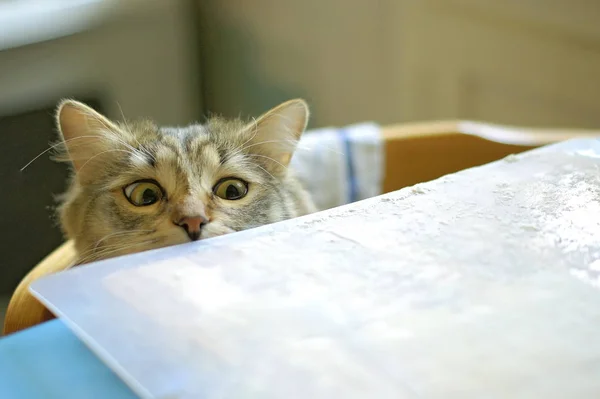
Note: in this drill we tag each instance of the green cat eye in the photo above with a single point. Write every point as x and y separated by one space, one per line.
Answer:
231 189
143 193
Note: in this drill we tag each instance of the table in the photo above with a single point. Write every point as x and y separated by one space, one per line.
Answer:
48 361
481 283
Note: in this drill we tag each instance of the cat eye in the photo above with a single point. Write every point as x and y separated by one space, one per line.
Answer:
231 189
143 193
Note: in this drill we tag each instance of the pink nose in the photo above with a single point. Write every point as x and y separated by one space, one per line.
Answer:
192 226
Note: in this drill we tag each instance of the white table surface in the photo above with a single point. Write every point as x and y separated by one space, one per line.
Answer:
482 284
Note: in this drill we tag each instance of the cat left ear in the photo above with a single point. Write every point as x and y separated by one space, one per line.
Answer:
84 133
274 136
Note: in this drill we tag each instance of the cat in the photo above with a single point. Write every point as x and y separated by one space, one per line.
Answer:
137 186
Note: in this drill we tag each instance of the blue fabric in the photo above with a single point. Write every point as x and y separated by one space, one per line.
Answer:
49 362
352 187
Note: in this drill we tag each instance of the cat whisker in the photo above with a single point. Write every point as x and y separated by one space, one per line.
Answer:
109 133
289 141
134 151
53 146
266 171
269 158
100 153
141 147
121 233
123 116
111 250
254 133
94 247
239 149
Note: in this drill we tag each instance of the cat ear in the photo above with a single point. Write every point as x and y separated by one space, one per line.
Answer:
84 133
274 136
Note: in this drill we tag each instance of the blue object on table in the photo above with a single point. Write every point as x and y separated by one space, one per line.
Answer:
49 362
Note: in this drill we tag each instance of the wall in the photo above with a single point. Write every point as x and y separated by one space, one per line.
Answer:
142 59
531 62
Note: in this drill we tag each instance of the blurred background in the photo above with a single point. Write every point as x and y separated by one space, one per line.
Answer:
521 62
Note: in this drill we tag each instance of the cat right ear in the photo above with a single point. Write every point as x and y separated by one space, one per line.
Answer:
84 133
274 135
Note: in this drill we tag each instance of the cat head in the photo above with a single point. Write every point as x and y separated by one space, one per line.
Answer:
137 186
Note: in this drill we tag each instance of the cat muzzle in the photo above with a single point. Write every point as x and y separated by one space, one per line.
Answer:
192 226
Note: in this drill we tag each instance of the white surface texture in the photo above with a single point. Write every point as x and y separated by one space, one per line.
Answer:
482 284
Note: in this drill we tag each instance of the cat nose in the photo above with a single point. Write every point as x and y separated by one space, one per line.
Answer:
192 226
